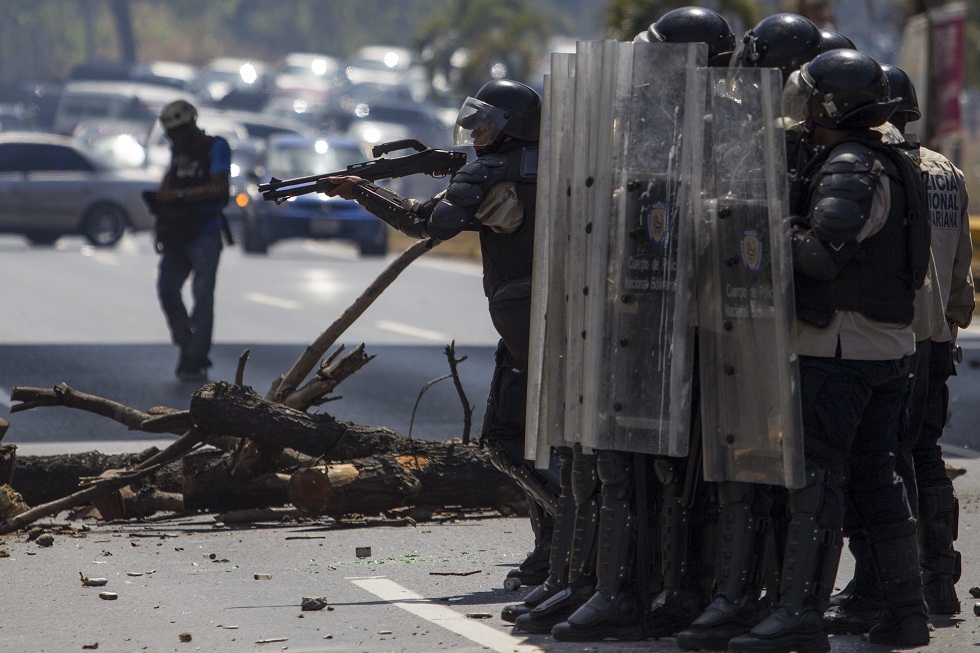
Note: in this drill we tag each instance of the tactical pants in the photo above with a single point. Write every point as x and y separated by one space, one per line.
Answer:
191 331
927 455
503 432
851 414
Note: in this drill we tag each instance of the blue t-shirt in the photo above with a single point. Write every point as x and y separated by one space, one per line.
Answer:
220 155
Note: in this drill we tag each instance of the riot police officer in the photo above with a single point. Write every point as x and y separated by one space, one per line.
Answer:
945 302
618 608
858 258
952 249
751 513
495 196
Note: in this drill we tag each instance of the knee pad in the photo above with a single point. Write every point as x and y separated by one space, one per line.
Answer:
615 472
506 405
585 477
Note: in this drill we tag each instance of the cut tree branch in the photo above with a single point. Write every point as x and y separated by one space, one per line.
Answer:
302 367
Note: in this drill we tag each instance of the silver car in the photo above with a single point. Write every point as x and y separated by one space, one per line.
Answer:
51 186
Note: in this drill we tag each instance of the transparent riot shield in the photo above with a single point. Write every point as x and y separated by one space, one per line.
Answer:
546 381
611 127
643 350
540 290
750 411
579 250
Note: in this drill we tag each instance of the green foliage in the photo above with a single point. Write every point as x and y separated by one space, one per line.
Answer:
466 42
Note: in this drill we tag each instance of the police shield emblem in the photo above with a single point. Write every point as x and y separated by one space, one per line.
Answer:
751 251
656 219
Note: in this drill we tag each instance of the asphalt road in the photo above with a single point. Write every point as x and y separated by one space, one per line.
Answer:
90 318
431 587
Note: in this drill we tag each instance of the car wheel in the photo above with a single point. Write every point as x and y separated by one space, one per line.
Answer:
104 224
254 241
42 238
378 246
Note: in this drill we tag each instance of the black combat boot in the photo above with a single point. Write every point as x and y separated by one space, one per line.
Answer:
809 570
678 605
561 546
735 608
856 608
613 611
857 543
939 516
903 622
582 559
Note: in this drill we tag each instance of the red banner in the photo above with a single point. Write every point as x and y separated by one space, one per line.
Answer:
948 28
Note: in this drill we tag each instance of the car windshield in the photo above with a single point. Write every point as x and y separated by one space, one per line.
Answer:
315 158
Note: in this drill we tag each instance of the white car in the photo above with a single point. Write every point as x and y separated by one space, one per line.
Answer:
51 186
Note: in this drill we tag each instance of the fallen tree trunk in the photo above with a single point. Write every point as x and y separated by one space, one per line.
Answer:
390 470
225 408
40 479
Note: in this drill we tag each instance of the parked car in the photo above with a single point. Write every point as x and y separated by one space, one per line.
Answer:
313 215
244 131
383 122
120 143
50 186
88 100
306 73
225 76
379 63
160 73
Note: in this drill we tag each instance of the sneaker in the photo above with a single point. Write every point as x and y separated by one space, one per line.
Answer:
188 371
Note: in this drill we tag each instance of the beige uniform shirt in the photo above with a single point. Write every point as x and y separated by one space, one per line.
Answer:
850 333
952 248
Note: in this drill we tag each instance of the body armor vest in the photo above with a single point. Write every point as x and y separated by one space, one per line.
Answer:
193 168
880 279
509 257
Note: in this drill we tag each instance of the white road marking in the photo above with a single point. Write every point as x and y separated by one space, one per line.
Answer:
444 617
409 330
269 300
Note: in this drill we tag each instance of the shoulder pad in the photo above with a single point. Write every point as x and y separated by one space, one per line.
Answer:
479 171
837 220
851 172
447 220
849 157
465 194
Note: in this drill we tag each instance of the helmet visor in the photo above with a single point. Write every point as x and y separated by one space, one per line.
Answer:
478 123
796 92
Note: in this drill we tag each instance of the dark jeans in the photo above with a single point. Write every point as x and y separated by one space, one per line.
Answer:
191 331
851 415
909 431
927 455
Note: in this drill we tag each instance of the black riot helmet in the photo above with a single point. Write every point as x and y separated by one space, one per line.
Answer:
695 25
900 87
842 89
502 107
833 40
785 41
